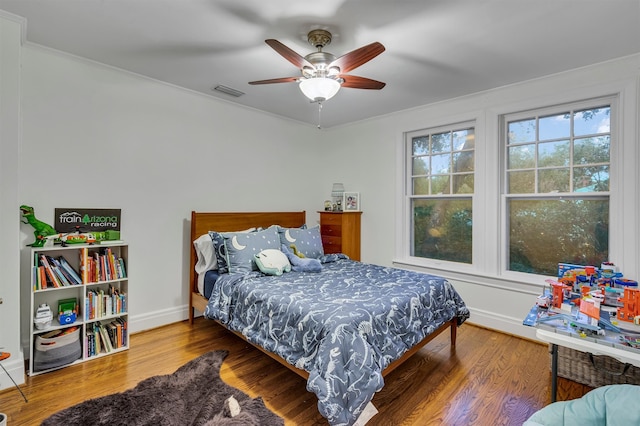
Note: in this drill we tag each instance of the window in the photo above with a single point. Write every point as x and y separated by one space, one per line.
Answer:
557 186
440 186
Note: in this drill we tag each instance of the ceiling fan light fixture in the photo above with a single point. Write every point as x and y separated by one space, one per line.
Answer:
319 89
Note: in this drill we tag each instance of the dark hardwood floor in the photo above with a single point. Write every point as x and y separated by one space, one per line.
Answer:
489 379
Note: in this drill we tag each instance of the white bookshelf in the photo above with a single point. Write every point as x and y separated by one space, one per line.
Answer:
114 288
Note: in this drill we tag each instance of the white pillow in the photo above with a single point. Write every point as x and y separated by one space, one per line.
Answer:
206 255
206 258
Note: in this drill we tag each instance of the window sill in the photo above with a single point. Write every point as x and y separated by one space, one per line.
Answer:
462 272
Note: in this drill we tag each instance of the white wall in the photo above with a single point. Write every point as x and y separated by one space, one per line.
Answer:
496 298
10 28
94 136
98 137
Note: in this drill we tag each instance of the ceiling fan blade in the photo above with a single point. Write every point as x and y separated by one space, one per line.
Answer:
355 58
355 82
276 80
291 56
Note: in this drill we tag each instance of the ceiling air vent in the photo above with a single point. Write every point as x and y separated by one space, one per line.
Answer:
228 91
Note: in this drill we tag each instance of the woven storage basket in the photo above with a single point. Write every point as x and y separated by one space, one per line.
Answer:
54 352
595 370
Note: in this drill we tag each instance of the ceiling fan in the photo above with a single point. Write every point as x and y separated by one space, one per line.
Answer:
322 73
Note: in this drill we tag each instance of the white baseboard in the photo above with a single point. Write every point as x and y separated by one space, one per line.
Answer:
156 319
15 367
501 323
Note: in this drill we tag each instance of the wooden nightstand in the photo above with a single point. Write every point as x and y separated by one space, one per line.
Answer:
341 233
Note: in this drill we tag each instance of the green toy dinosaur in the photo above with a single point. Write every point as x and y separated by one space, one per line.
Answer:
42 230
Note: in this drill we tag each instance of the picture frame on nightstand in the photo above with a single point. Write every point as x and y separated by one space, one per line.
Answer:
351 202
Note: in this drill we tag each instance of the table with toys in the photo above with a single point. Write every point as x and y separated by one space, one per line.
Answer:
589 309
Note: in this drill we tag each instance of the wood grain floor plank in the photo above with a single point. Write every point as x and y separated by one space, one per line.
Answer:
489 378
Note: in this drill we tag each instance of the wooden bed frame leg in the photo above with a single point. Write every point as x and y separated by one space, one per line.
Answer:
191 314
454 331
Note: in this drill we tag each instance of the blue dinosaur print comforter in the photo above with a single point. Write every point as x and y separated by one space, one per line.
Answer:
343 326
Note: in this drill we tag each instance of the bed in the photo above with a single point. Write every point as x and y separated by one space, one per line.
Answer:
343 329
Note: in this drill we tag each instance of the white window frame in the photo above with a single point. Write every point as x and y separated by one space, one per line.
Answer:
408 193
489 254
614 174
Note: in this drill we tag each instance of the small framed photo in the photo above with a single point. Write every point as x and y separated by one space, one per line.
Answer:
351 202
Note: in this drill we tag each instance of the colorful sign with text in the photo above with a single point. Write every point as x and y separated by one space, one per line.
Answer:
87 220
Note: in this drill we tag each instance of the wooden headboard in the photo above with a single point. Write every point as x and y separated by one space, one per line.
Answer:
201 223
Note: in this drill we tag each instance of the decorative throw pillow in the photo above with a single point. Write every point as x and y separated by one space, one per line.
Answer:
219 250
241 248
272 262
307 241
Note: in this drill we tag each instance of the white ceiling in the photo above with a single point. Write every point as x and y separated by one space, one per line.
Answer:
435 49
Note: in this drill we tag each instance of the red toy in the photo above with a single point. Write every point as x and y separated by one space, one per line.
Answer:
630 308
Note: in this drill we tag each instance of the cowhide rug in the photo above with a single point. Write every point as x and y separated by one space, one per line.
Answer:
193 395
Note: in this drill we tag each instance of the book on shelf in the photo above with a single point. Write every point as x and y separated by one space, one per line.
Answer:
120 333
101 264
49 271
98 339
110 264
113 335
39 278
44 279
91 344
100 304
98 346
84 264
62 281
104 338
64 277
74 276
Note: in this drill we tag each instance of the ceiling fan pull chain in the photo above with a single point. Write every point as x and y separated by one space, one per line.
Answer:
319 113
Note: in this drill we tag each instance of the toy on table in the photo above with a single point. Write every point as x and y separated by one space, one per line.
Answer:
589 300
630 309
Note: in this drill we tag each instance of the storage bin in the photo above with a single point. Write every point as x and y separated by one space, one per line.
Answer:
595 370
56 351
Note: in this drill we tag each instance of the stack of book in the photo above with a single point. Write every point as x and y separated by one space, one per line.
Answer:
106 337
101 265
100 304
51 272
